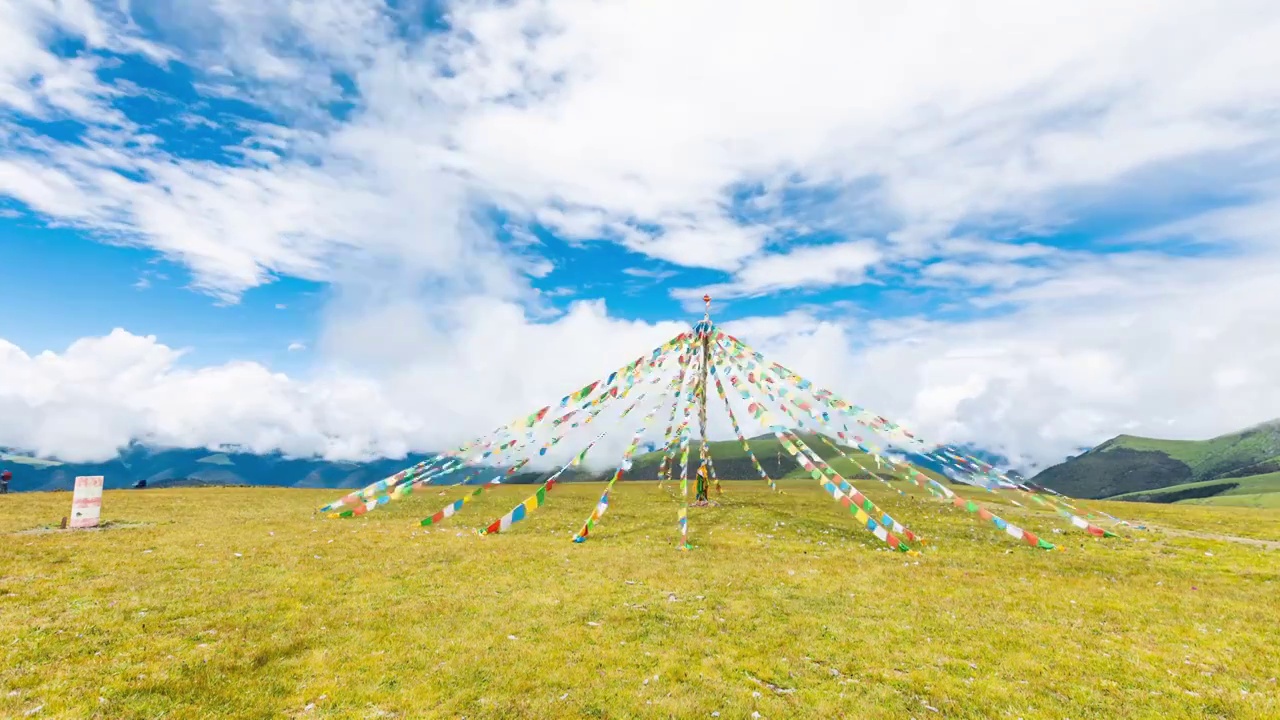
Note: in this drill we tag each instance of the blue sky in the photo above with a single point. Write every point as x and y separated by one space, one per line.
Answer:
62 285
966 227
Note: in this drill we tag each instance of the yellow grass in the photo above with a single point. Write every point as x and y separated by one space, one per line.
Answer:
241 603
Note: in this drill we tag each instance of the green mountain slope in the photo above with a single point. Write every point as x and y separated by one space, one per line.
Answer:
1211 458
1128 465
1218 491
731 461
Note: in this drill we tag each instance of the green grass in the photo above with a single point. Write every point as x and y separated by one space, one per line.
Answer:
1191 452
242 603
1254 500
1244 487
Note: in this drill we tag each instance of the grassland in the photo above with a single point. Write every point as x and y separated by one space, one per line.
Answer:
1250 491
241 603
1249 500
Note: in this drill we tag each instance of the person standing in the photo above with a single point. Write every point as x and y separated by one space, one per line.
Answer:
5 477
700 498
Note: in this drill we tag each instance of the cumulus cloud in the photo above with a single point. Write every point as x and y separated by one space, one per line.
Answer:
813 267
598 121
86 402
944 116
100 393
1036 385
1189 361
946 134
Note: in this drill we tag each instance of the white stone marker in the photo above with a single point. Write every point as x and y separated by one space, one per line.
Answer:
86 503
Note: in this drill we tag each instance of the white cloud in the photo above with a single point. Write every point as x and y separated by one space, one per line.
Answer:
317 202
814 266
85 403
296 347
1193 360
93 398
955 116
979 274
598 119
649 274
939 131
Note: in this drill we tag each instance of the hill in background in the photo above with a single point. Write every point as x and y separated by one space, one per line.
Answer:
1153 470
202 467
1241 468
732 462
199 467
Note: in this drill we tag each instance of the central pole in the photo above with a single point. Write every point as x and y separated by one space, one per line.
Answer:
705 453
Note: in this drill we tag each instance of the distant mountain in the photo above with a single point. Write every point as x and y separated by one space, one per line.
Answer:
1129 466
201 467
945 469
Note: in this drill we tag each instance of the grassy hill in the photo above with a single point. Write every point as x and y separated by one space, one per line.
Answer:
1130 466
731 460
1227 491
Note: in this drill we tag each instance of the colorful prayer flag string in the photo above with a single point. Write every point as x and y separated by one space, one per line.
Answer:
524 422
540 497
398 492
682 517
804 407
811 461
879 424
733 420
559 427
630 379
672 437
925 481
668 446
951 458
453 507
763 417
602 505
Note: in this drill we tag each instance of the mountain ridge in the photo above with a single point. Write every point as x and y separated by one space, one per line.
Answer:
1131 466
209 467
138 466
1135 467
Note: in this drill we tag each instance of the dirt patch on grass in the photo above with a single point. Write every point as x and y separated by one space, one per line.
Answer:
104 526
